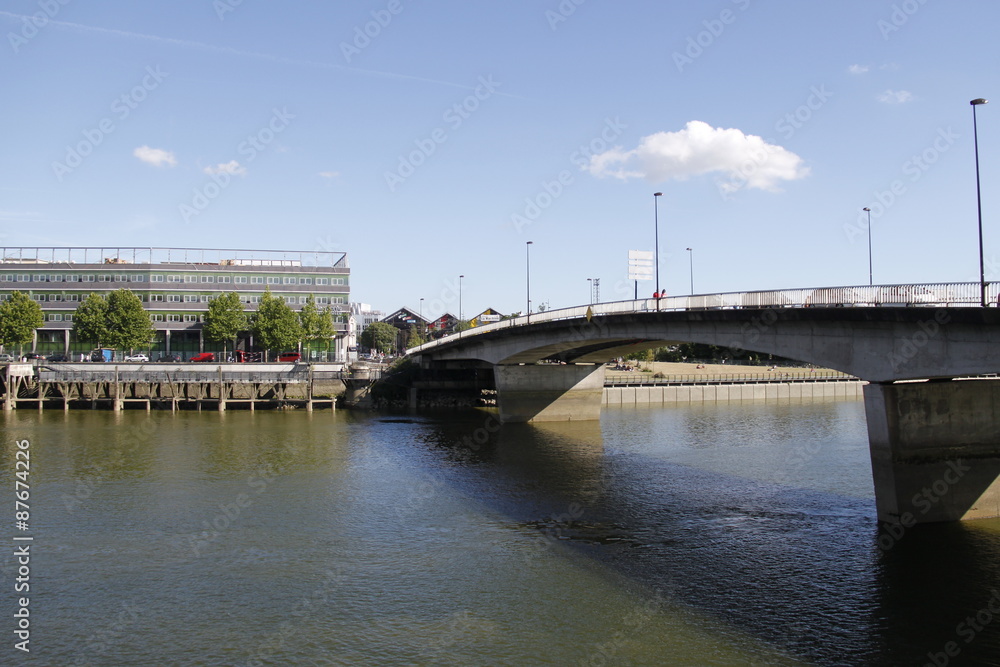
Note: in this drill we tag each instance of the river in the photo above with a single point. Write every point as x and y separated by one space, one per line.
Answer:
716 534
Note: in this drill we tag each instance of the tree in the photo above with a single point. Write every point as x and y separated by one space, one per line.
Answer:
414 338
317 325
225 319
128 322
379 336
19 317
275 325
90 322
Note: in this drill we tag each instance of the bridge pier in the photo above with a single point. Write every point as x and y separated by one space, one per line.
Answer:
935 449
549 392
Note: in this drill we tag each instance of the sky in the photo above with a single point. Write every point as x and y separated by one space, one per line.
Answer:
432 140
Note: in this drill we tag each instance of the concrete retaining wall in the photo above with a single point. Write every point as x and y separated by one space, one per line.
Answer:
732 392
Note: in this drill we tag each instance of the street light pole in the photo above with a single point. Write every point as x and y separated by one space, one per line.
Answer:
691 264
870 282
527 281
461 317
979 203
656 236
590 288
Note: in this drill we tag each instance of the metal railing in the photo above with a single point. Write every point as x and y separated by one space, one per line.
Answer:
922 295
648 379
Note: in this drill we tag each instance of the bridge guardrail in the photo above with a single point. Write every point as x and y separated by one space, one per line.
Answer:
918 295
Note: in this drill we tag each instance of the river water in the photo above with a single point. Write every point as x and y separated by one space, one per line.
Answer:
711 534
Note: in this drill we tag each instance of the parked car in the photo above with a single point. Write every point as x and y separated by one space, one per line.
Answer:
169 357
142 358
204 356
6 358
57 357
289 356
31 356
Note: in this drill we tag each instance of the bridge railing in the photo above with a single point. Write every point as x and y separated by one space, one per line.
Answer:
927 294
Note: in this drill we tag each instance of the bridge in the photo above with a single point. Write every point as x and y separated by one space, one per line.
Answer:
927 352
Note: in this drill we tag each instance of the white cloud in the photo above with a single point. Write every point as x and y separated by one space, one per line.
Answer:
232 167
155 156
329 175
858 69
748 160
896 97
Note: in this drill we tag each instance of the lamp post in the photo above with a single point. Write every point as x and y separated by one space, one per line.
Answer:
461 318
590 288
979 203
421 310
656 236
691 264
527 282
870 282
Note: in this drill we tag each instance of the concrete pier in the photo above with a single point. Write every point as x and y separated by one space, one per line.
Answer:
935 449
549 392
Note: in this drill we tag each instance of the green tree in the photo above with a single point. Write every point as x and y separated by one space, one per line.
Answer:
19 317
90 322
128 322
275 325
225 319
414 338
317 325
379 336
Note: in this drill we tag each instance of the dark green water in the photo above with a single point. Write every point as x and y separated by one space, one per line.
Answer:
716 534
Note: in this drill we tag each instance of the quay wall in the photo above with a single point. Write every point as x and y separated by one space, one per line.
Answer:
732 393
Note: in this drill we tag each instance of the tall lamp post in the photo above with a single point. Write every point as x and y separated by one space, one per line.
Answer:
656 237
979 203
869 211
527 282
590 288
461 318
691 264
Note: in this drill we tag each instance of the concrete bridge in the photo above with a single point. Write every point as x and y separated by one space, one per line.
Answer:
927 352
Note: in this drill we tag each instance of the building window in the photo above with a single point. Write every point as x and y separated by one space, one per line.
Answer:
55 297
291 281
104 278
240 279
156 279
137 279
55 279
305 281
173 318
156 317
205 298
68 317
23 278
156 297
72 297
190 279
255 299
72 278
174 298
271 280
225 279
290 300
208 279
121 278
257 280
55 317
190 318
37 278
190 298
175 279
7 278
322 281
89 278
322 300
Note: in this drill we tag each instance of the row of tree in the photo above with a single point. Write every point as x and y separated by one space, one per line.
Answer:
119 321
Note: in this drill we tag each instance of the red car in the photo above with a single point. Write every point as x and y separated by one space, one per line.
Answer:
204 356
289 356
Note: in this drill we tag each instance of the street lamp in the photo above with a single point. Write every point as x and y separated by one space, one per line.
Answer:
590 288
461 318
656 247
527 282
691 264
870 282
421 310
979 203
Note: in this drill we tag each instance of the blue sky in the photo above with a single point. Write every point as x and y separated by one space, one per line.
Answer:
432 140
